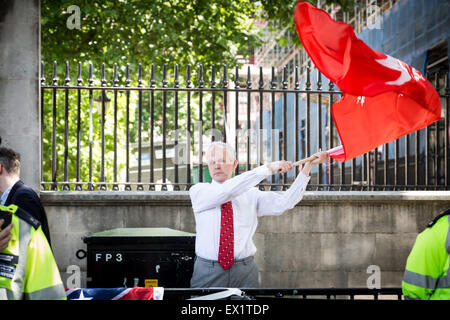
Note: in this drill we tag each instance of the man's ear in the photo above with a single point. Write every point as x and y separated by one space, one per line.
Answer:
235 163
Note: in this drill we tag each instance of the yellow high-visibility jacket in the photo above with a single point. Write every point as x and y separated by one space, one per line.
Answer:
27 267
427 273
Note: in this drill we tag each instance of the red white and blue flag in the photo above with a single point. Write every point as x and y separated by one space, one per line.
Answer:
136 293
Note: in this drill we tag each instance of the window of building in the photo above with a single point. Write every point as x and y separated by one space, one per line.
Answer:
437 68
437 65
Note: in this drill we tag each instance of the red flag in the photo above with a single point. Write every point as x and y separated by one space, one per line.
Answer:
384 98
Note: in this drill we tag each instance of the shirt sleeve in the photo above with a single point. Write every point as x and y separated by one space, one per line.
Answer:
275 203
206 196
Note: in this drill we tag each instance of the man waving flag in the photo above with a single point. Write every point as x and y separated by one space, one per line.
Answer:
384 98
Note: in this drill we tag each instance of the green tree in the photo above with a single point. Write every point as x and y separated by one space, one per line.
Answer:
148 31
158 32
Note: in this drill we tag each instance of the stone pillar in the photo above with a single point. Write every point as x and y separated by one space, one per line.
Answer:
19 84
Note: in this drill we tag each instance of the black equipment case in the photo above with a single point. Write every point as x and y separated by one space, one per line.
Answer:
142 257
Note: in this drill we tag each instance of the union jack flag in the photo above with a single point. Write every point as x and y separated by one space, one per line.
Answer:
136 293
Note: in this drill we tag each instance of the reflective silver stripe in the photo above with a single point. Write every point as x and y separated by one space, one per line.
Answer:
8 293
17 282
3 294
428 282
444 281
419 280
447 240
411 298
49 293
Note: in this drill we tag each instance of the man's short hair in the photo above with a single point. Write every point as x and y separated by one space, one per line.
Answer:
10 160
222 145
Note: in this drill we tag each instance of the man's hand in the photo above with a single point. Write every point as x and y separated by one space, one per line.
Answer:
281 166
5 236
321 157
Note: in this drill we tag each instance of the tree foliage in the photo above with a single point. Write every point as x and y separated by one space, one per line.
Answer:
149 32
158 32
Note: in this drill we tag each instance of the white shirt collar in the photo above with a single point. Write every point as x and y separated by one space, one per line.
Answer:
215 182
5 195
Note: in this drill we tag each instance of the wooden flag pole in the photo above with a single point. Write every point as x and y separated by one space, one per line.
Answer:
304 161
301 162
311 158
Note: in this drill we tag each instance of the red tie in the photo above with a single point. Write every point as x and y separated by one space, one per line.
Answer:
226 244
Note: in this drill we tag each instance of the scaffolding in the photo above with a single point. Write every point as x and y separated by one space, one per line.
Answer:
365 13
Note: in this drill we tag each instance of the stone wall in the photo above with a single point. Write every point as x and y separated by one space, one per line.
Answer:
328 240
19 84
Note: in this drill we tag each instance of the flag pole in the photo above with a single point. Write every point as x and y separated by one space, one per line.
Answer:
311 158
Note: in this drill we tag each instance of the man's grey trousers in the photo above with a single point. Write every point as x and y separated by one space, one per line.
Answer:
208 273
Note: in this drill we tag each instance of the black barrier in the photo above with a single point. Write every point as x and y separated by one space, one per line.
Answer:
284 293
86 142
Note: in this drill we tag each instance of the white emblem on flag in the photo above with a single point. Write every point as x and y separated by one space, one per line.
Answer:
82 297
360 100
417 75
395 64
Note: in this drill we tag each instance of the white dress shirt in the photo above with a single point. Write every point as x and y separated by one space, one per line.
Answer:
5 196
248 203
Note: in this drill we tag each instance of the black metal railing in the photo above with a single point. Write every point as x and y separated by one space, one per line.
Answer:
126 133
289 293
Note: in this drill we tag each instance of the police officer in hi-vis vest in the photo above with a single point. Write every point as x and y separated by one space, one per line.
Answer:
427 274
27 267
